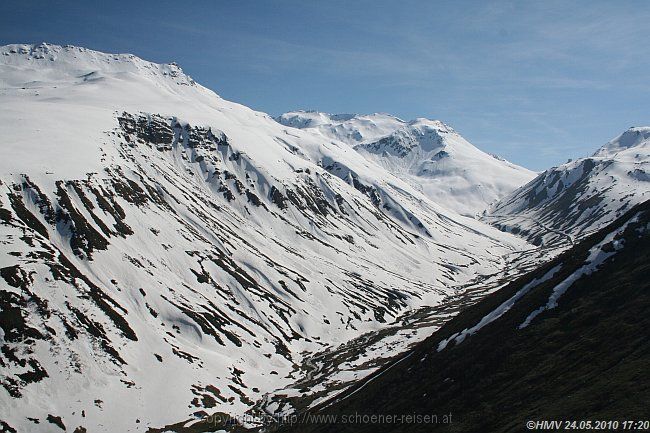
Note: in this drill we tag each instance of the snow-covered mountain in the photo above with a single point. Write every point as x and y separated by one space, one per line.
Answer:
574 199
444 166
427 154
167 254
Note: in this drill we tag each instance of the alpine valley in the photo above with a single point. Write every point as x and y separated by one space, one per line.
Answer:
172 261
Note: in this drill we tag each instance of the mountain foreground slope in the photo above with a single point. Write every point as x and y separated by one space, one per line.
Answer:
167 254
567 341
428 154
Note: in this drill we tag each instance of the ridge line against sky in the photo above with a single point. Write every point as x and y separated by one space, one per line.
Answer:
534 82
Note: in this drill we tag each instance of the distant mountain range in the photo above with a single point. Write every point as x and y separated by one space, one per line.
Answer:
577 198
428 154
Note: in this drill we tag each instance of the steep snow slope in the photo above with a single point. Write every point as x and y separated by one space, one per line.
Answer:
581 196
428 154
167 254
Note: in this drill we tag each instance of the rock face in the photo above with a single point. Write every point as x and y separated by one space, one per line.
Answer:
160 241
429 155
570 201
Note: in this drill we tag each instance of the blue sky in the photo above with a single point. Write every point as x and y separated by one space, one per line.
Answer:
536 82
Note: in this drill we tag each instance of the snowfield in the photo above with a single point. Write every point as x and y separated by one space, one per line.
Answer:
167 255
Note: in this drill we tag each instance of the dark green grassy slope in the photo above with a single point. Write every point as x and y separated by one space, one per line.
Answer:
587 359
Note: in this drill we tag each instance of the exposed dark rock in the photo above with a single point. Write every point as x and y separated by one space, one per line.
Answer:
278 198
84 239
56 420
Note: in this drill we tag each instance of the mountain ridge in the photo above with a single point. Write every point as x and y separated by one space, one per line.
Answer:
581 196
428 154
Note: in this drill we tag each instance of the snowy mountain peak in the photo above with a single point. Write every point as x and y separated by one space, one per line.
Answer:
427 153
447 168
83 64
426 136
349 128
433 124
636 136
310 118
576 198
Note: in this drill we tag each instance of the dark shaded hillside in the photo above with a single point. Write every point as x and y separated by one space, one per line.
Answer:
586 359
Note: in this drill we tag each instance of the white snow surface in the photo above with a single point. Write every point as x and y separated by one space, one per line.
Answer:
348 128
225 257
428 154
